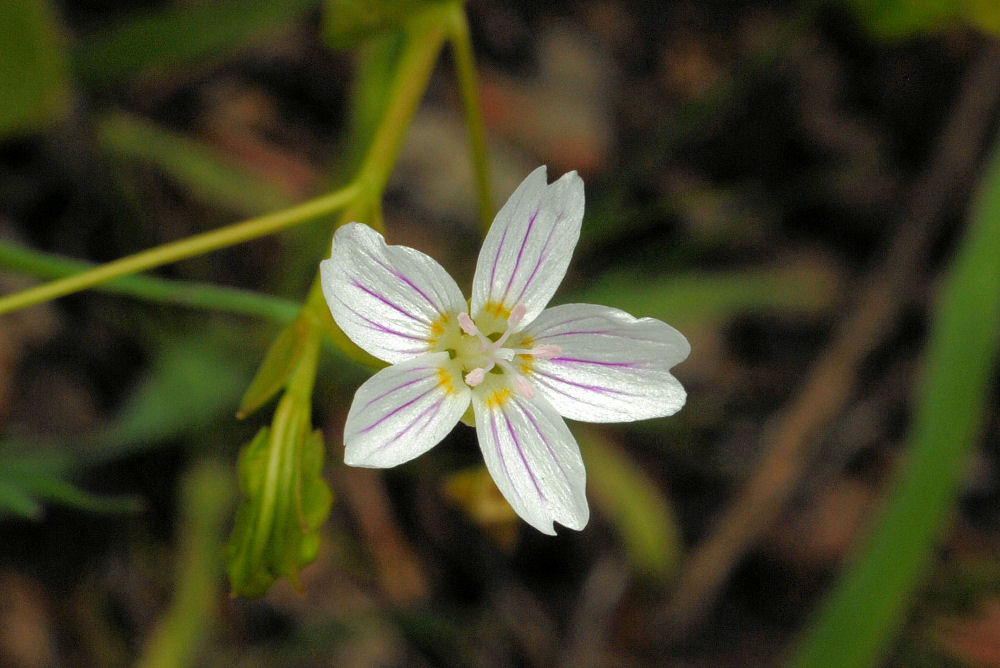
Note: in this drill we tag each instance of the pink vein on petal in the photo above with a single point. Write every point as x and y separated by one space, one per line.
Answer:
541 256
388 303
599 332
496 259
400 387
503 460
406 280
582 386
435 407
520 252
550 386
541 434
520 452
371 324
574 360
396 410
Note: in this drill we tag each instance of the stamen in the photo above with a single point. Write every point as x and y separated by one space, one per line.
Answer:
545 352
520 382
475 377
516 316
467 325
497 355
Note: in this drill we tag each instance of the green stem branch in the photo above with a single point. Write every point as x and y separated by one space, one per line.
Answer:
185 248
424 40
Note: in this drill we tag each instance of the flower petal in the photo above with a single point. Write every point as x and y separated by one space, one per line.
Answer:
403 411
533 459
390 300
611 367
529 245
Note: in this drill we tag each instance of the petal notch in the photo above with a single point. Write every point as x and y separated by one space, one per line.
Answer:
529 246
533 458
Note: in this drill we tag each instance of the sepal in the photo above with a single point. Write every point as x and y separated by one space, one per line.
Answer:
285 502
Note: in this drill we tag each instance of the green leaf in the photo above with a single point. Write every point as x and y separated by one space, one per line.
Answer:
194 381
182 33
197 166
346 23
285 501
29 481
316 495
702 297
633 503
277 366
984 14
33 67
14 499
869 604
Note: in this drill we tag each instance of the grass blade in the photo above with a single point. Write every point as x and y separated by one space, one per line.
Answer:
868 605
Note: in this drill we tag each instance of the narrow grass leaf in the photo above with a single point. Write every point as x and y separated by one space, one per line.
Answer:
194 294
633 503
868 605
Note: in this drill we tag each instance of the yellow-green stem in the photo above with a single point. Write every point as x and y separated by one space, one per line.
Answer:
425 37
288 429
427 33
185 248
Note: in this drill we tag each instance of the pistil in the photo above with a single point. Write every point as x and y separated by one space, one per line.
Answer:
496 355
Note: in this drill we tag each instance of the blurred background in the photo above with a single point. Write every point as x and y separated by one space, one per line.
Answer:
787 183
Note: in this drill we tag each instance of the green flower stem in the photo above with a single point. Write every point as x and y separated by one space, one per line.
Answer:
185 248
150 288
425 38
290 426
264 544
468 86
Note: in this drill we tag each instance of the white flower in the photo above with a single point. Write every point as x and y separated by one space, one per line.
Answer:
519 366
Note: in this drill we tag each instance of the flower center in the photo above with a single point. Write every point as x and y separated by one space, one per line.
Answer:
480 354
